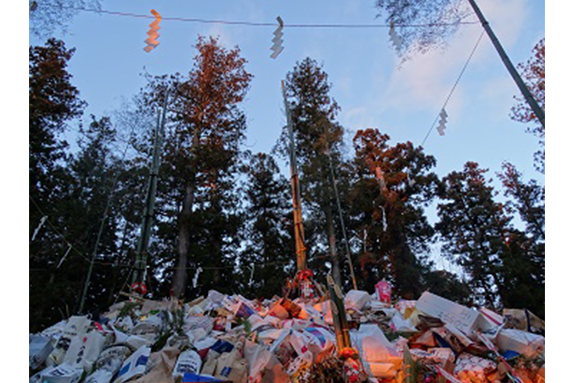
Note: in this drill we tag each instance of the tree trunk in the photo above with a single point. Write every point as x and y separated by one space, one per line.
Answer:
180 275
179 282
336 270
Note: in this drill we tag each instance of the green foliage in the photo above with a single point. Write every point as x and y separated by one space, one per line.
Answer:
505 265
473 225
129 309
268 229
444 14
450 286
330 370
533 73
398 252
50 16
223 209
319 144
198 196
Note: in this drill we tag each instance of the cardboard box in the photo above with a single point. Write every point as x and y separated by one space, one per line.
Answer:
463 318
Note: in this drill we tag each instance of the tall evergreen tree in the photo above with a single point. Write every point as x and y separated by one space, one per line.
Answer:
473 225
202 158
388 215
54 103
269 243
525 251
319 142
528 199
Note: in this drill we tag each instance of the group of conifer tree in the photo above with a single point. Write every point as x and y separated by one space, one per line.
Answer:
228 211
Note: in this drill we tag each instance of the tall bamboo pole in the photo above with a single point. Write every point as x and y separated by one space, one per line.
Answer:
142 250
295 189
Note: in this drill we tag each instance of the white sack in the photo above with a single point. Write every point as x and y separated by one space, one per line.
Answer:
108 363
63 373
188 361
356 299
135 365
75 327
39 349
84 350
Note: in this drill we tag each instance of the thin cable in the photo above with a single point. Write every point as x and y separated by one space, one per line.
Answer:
454 86
58 232
80 253
262 24
124 284
343 229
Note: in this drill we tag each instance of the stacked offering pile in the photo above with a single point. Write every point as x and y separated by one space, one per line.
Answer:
223 338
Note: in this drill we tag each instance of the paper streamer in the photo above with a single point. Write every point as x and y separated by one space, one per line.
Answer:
65 255
383 218
252 266
195 281
42 221
442 122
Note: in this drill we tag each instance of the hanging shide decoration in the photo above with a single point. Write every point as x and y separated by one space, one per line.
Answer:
396 41
442 122
383 218
277 48
65 255
152 41
37 230
252 268
196 276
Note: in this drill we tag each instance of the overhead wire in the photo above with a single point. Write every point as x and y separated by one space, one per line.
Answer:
58 232
262 24
454 86
255 24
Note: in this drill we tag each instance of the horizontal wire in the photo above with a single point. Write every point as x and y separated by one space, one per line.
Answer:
264 24
59 233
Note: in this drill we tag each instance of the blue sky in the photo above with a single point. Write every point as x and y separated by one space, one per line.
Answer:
370 87
367 83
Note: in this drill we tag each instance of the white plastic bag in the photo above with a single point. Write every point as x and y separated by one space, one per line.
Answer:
84 350
188 362
76 326
303 342
398 323
263 362
54 332
378 354
63 373
324 339
39 349
135 365
356 299
108 363
215 296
